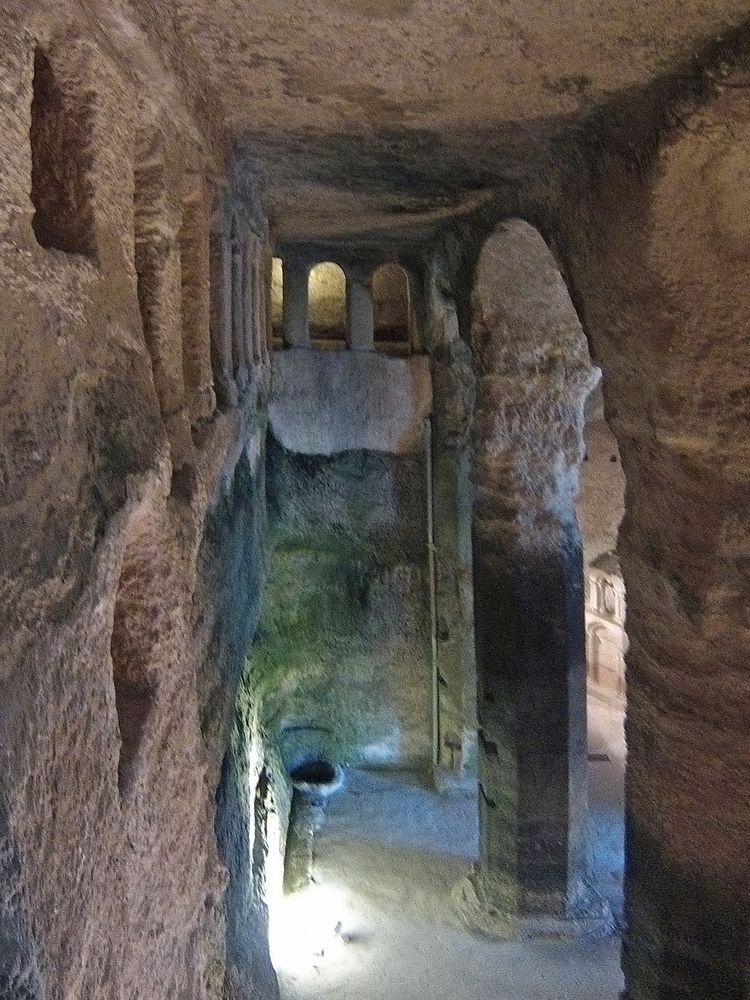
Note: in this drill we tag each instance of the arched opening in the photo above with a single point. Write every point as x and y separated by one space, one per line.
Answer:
61 127
534 375
601 506
515 753
326 286
600 509
392 308
277 301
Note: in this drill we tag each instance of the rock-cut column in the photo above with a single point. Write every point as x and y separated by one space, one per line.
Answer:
295 305
221 318
533 375
196 344
240 361
157 262
452 418
360 314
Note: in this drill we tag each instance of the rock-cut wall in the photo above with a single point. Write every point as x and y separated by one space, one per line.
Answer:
343 651
132 530
660 264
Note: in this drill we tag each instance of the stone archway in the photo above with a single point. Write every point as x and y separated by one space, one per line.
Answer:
327 304
533 375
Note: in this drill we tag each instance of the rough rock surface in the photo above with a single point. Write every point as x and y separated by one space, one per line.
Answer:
344 643
325 404
663 278
533 374
365 113
120 661
131 509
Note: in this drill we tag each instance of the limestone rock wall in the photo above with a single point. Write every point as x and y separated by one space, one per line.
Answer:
601 502
326 404
344 642
662 275
126 603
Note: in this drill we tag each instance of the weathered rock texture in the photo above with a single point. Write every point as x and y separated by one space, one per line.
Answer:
601 504
366 114
134 264
325 404
663 276
533 376
344 644
131 536
451 510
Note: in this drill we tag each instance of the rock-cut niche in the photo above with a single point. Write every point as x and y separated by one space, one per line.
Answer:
60 137
136 632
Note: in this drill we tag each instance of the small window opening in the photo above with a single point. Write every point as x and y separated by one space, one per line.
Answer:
277 301
60 165
392 308
327 306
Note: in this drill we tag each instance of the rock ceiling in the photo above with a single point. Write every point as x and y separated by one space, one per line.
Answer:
377 110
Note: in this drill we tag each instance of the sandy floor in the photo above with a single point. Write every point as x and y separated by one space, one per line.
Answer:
379 925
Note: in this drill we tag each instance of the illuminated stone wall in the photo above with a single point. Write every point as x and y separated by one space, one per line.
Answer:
344 642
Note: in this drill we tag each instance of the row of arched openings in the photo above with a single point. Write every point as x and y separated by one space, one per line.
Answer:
327 306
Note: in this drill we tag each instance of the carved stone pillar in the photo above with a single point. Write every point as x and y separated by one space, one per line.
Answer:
360 317
157 259
196 341
295 306
533 375
221 319
239 355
